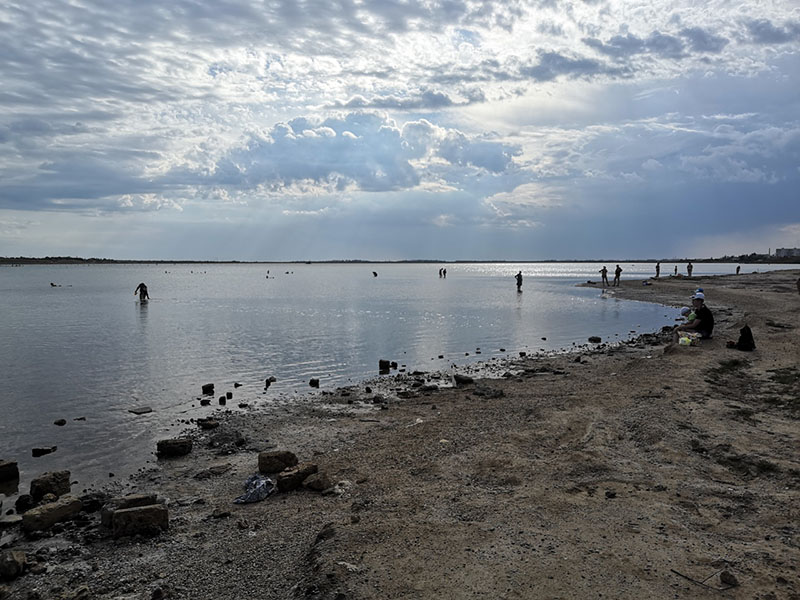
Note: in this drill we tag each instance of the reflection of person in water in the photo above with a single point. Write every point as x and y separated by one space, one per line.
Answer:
518 277
141 289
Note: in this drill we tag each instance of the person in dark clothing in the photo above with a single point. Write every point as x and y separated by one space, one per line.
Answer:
604 275
703 322
518 277
141 289
617 273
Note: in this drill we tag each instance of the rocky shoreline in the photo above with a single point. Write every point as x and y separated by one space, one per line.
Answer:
631 470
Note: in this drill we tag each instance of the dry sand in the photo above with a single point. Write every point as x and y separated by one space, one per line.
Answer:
637 471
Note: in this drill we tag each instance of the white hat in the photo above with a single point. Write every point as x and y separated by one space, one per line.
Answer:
698 296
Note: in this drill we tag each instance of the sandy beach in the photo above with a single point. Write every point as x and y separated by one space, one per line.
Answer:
628 471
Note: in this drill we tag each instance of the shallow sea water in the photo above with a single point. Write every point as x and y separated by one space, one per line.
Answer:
88 348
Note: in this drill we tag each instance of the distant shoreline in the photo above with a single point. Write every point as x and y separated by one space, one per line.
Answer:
69 260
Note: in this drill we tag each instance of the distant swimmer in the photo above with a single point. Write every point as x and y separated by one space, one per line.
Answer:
141 289
54 284
374 274
518 277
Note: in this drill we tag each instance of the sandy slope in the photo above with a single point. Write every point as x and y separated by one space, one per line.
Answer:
616 474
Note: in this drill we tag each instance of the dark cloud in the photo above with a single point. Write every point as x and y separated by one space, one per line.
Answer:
457 149
78 182
425 100
552 65
701 40
624 46
763 31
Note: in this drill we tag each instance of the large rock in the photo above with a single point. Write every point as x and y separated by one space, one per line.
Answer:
208 389
462 379
12 563
173 447
144 520
37 452
45 516
293 478
56 482
23 503
276 461
123 502
9 471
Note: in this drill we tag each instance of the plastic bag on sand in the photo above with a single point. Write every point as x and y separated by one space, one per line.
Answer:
257 487
688 339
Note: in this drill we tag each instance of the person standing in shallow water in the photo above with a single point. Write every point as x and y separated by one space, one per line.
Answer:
518 277
141 289
689 269
658 269
617 273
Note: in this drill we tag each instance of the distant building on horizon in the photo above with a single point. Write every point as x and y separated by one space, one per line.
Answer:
787 252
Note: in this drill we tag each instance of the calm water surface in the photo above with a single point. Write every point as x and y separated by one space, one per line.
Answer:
90 349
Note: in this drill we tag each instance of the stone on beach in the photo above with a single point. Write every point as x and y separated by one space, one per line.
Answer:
208 423
60 422
208 389
595 339
12 564
141 520
293 478
140 410
462 379
37 452
55 482
319 482
45 516
9 471
123 502
275 461
173 447
314 382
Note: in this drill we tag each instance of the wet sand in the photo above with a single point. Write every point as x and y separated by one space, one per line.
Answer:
641 470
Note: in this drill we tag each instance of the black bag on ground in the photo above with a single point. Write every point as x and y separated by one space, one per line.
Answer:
746 341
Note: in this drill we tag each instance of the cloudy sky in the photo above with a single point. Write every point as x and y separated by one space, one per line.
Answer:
399 129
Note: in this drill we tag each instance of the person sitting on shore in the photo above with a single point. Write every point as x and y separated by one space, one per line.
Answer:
703 322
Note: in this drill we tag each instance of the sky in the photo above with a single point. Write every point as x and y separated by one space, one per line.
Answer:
399 129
